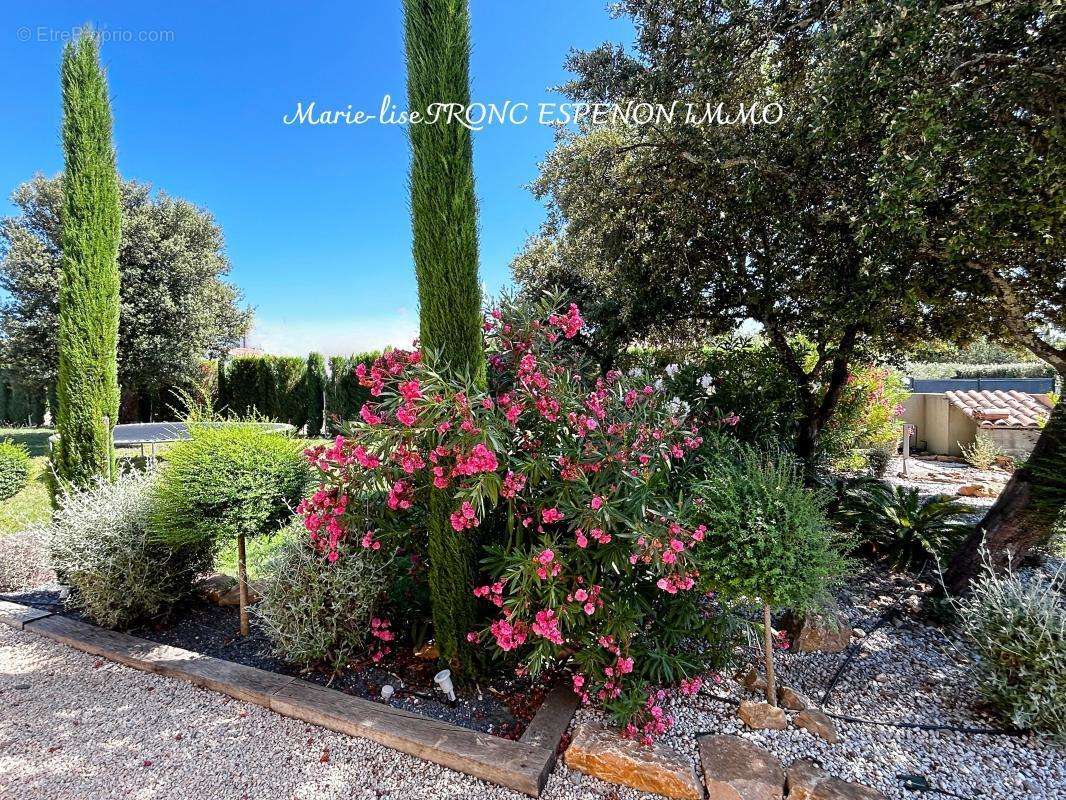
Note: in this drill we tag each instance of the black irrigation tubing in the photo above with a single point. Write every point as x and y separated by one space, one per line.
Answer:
853 650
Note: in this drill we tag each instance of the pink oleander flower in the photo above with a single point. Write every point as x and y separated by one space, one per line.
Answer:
550 515
546 624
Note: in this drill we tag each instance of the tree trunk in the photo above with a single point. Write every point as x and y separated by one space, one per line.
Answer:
242 583
1024 515
768 656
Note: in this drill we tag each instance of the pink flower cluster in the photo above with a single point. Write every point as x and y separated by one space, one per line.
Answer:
380 629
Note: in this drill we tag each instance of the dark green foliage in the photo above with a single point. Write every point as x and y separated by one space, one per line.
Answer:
314 387
877 461
14 468
20 403
897 523
176 307
444 224
228 479
289 389
251 387
344 395
767 536
89 282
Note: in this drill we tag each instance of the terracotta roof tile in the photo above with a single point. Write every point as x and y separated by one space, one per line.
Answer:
1003 409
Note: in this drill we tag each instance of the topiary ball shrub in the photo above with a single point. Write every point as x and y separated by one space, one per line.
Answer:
318 613
1017 631
227 480
102 546
14 469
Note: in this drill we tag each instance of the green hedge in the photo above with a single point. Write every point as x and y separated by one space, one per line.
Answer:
14 469
20 403
1025 369
344 395
292 389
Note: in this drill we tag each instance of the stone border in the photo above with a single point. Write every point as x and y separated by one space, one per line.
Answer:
523 765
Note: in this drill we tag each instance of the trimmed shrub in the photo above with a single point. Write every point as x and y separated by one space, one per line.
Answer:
291 406
314 387
102 546
1017 630
767 537
228 479
317 613
345 395
896 522
251 388
14 468
877 461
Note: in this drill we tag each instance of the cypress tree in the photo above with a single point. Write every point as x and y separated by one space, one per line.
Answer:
87 391
314 386
445 249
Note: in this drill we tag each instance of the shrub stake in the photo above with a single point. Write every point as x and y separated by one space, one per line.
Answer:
768 656
242 584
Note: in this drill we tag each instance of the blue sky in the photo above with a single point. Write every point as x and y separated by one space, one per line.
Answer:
316 218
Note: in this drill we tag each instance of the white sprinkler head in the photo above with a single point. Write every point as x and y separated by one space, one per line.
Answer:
443 679
387 691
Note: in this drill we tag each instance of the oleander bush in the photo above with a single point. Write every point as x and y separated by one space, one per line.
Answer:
14 468
228 479
101 545
1017 631
318 613
588 562
896 522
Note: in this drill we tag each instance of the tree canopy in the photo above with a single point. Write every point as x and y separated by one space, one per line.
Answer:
176 307
687 226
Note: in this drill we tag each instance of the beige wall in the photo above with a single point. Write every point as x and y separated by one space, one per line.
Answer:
1015 442
940 424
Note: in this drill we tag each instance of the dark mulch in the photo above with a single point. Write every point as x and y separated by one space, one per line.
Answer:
502 707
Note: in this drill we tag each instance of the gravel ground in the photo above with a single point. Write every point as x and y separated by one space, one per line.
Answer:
905 672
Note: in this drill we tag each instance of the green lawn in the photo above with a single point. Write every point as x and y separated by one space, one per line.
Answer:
33 503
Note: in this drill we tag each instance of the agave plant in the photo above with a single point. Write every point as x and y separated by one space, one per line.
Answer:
898 523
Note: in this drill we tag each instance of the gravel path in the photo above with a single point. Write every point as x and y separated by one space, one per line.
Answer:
88 728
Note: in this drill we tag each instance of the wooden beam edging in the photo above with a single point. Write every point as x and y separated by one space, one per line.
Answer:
16 615
523 765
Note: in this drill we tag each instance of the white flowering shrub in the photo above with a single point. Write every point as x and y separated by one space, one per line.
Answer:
101 548
319 613
1017 630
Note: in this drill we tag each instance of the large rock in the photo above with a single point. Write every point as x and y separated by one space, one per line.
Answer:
793 700
604 754
807 781
233 596
817 723
736 769
214 587
825 631
751 680
762 715
979 490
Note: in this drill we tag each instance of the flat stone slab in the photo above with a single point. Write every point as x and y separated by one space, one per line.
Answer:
736 769
807 781
602 753
818 724
16 615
